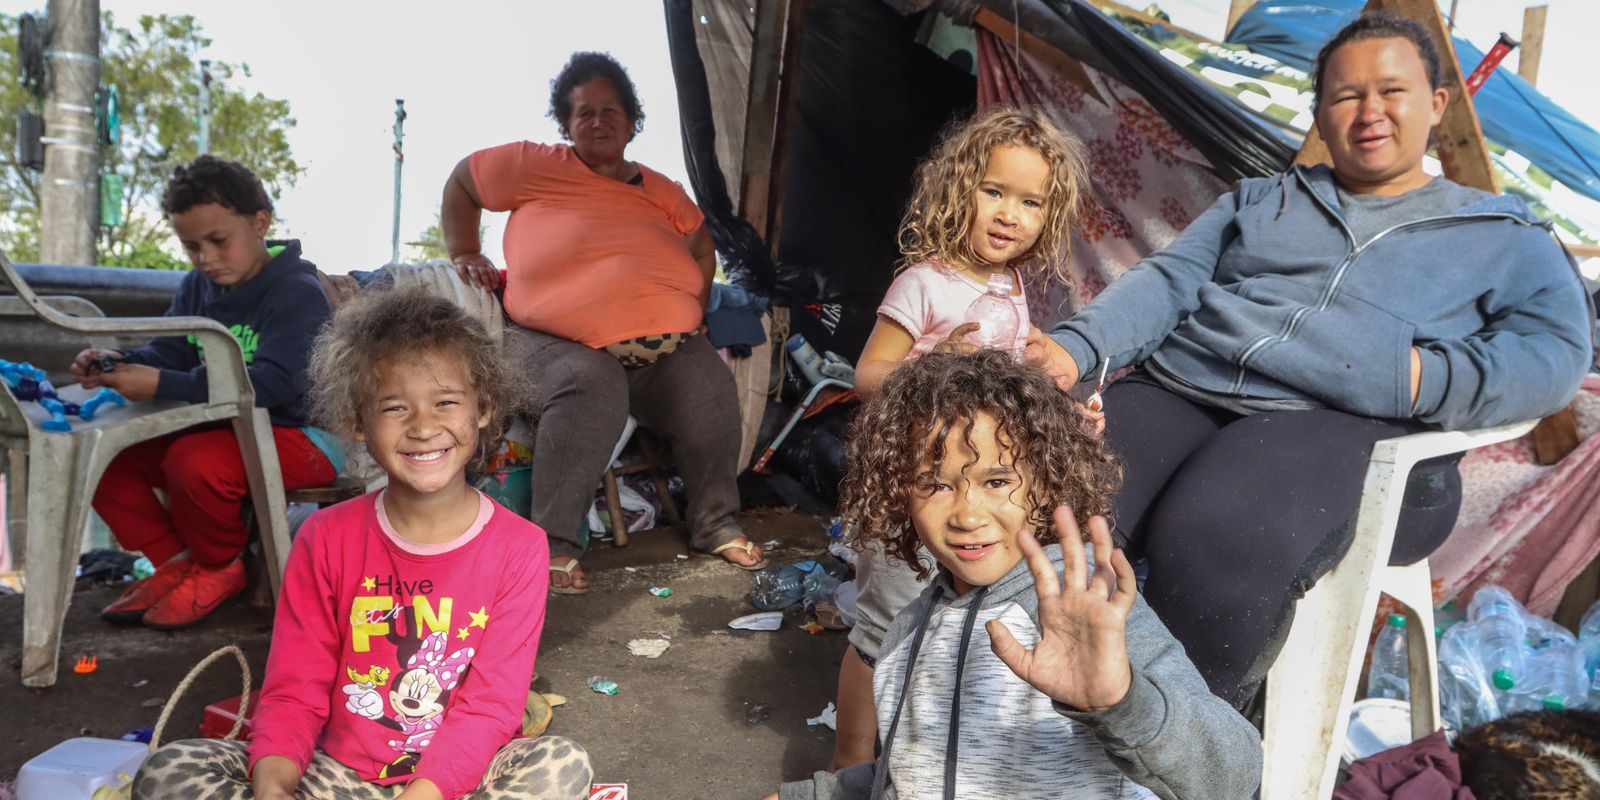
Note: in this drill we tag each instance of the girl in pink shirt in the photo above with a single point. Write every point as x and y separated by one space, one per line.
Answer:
409 619
1000 194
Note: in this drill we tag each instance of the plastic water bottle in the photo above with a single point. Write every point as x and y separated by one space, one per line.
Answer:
1555 680
1465 697
777 588
1502 632
997 317
1390 675
805 357
1589 639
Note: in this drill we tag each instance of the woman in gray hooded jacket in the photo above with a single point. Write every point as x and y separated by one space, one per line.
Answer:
1296 322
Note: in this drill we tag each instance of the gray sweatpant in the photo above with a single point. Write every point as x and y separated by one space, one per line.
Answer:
582 398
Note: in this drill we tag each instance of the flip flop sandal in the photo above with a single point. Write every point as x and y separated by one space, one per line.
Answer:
748 547
569 588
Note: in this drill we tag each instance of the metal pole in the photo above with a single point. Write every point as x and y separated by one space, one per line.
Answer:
1453 4
399 162
69 211
205 106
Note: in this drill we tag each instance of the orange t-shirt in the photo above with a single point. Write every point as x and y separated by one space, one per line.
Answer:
589 258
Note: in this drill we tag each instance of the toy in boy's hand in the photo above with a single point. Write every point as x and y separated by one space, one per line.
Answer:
1081 659
104 362
27 382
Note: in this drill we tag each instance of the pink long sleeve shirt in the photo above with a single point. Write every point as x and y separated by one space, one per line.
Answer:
403 661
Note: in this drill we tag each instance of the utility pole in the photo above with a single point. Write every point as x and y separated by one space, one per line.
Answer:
205 106
399 162
69 213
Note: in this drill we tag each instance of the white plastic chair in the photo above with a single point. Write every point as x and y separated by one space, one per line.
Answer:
53 475
1312 685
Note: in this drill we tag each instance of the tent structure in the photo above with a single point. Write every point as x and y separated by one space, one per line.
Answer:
804 119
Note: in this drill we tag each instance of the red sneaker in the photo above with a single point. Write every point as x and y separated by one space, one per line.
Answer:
129 608
201 591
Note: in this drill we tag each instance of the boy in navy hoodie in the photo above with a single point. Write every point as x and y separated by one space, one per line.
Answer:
270 298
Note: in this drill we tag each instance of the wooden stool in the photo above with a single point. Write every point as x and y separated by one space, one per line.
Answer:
659 468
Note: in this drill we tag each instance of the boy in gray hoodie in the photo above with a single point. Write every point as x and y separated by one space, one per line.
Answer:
1070 686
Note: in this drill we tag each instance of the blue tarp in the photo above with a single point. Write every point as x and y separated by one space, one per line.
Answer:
1513 113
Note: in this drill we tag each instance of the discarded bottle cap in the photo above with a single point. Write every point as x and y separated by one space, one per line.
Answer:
1555 702
1397 620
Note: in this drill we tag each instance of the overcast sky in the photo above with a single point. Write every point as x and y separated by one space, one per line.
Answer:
476 73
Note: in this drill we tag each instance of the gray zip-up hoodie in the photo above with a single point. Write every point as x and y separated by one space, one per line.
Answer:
1268 295
955 721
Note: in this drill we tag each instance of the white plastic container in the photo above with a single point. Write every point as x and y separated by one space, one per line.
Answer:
75 768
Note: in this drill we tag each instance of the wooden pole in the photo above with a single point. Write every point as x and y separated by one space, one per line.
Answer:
1532 42
1236 9
761 115
793 34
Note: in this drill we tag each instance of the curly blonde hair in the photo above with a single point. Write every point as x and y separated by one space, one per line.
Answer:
938 220
384 324
924 400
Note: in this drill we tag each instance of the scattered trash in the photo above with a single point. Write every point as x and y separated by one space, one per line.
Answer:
771 544
142 568
811 581
811 627
828 717
84 767
630 569
154 702
828 616
683 557
660 591
86 665
602 686
757 713
764 621
649 648
140 684
608 791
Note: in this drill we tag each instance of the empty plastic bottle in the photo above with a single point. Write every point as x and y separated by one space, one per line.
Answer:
777 588
996 315
1554 681
1501 632
1589 639
1390 674
1465 697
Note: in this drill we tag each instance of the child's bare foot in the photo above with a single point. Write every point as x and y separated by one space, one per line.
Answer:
566 577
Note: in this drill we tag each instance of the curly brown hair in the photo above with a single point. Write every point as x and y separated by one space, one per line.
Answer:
938 220
926 399
382 324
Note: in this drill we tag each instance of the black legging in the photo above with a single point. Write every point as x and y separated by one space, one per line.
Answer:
1239 515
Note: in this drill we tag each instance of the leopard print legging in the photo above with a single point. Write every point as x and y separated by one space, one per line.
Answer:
548 768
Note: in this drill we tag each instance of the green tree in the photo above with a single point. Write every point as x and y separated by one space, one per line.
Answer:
153 63
430 243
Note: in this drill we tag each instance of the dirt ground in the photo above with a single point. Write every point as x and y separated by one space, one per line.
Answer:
681 726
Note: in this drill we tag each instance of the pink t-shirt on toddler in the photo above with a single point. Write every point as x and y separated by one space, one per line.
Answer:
401 660
930 300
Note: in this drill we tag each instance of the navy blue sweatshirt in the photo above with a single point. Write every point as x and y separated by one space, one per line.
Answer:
275 316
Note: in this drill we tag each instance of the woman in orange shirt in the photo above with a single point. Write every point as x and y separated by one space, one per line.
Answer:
608 269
